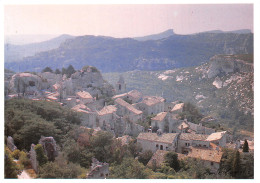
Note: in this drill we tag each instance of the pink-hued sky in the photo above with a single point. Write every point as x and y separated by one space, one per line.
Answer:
125 20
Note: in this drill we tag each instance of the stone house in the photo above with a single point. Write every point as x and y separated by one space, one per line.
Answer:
106 117
87 116
98 170
84 97
155 141
218 138
188 140
198 128
133 96
159 121
128 110
151 105
210 157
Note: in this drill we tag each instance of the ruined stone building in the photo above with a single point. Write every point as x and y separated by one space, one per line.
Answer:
133 96
98 170
121 85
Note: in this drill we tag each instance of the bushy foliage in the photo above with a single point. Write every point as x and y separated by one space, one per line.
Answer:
16 154
145 157
130 168
24 160
41 157
191 113
11 168
171 159
40 118
245 146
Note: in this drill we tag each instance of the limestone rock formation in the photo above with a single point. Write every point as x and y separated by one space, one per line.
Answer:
10 143
224 64
33 158
50 147
27 83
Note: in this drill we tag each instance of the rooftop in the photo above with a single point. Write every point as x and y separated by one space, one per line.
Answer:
206 154
107 110
149 101
165 137
84 94
135 94
184 125
125 139
177 107
192 136
81 108
119 96
128 106
215 136
160 116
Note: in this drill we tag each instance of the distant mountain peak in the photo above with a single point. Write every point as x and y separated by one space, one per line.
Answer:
162 35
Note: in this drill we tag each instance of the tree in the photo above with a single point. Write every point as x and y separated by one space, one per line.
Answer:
101 144
11 168
57 71
236 165
41 157
171 159
47 69
130 168
245 146
145 157
70 70
191 113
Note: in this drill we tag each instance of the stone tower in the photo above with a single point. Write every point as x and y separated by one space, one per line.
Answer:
120 85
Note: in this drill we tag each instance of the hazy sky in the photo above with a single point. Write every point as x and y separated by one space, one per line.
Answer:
125 20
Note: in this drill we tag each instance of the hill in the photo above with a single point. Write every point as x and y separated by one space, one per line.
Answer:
226 95
126 54
15 53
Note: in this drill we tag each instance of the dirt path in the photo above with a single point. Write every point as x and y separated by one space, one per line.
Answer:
24 175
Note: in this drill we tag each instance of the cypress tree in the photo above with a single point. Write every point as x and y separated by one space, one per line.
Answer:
245 146
236 165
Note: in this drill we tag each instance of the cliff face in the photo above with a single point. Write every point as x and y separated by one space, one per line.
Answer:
223 64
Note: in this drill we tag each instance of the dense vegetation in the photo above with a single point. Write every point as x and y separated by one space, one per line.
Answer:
27 120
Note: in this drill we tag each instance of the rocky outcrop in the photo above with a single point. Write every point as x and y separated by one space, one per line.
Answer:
224 64
33 158
98 170
27 83
10 143
50 147
89 79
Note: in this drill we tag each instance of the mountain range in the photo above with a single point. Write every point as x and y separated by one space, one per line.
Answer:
155 52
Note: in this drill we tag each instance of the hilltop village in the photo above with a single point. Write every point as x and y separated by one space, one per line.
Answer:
103 107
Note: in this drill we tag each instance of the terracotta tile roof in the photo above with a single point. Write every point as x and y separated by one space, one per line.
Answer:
135 94
184 125
165 137
160 116
192 136
206 154
107 110
177 107
159 159
84 94
119 96
128 106
149 101
81 108
215 136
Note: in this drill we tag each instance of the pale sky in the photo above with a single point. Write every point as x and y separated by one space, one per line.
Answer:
125 20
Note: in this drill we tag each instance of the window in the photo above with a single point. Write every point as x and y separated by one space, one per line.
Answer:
157 146
119 87
211 163
101 175
167 148
161 147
